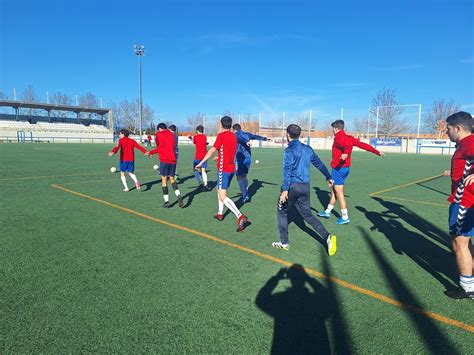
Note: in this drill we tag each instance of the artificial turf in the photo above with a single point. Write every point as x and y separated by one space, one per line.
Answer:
106 275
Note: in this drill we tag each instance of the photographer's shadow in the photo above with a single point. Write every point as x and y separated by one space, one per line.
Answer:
300 313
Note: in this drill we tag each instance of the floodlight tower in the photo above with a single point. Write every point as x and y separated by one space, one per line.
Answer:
140 52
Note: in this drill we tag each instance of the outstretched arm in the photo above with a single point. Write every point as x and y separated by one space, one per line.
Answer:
367 147
206 157
116 148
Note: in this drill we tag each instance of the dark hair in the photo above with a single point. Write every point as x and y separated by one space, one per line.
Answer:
161 125
461 118
200 129
339 124
226 122
236 127
294 131
125 132
172 128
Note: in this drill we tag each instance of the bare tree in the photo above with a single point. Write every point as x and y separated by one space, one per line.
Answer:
88 100
29 95
60 98
125 115
435 117
364 126
195 120
389 111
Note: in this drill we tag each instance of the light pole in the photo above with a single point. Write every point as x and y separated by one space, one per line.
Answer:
140 52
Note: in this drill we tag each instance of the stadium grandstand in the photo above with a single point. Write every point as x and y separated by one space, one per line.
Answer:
95 127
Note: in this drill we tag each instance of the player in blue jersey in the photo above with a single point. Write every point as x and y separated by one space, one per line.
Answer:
173 129
243 158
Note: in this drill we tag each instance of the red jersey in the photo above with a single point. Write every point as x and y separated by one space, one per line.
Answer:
357 143
126 146
165 145
461 167
149 138
342 145
200 141
226 145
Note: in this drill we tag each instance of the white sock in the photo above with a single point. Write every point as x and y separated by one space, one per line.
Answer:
166 197
204 177
134 177
177 193
467 283
231 206
221 207
124 181
344 214
329 208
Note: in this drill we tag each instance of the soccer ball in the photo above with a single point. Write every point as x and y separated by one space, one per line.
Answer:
113 169
155 167
257 161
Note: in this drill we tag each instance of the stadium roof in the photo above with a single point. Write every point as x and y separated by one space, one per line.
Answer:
50 107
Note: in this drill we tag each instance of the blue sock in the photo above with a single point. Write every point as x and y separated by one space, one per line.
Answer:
197 176
242 186
246 181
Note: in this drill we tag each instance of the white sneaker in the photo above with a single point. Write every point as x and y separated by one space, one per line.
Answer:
126 190
280 245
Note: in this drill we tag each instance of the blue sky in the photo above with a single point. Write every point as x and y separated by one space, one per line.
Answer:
242 56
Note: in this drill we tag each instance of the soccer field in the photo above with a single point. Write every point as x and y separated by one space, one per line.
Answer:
89 268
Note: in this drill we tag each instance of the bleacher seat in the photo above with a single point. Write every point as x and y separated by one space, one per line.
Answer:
15 125
65 127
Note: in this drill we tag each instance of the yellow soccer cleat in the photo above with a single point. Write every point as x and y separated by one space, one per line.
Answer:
332 246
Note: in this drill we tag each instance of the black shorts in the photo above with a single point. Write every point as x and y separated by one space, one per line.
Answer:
167 169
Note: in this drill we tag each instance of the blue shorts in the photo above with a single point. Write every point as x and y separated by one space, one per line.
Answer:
167 169
196 162
339 175
223 180
243 166
461 223
127 166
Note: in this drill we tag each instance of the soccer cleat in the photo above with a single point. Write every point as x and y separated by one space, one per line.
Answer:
245 198
323 214
459 294
242 223
280 245
219 217
126 190
138 186
166 204
180 201
341 220
332 246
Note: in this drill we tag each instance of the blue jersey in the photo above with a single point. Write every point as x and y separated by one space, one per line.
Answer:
296 161
243 150
176 139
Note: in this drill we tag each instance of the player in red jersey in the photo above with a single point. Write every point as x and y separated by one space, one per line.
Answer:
148 143
200 141
127 158
165 147
341 162
461 210
226 145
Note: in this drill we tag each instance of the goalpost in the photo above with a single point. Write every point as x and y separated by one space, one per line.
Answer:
408 118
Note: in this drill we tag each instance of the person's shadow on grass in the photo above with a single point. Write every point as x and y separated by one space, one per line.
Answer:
433 258
324 197
300 314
